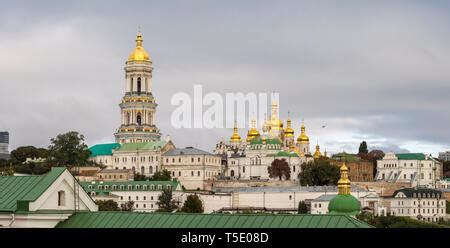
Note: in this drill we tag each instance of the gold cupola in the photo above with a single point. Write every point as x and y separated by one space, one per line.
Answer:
303 138
344 183
235 138
253 132
289 131
317 153
139 53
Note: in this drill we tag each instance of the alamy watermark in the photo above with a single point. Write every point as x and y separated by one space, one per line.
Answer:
213 110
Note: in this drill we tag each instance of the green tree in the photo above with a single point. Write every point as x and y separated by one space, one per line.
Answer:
20 154
279 169
318 172
302 208
166 202
140 177
193 204
363 148
401 222
108 205
162 175
128 206
69 149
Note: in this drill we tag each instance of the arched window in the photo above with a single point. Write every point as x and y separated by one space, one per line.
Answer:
139 85
61 198
133 169
131 85
142 170
232 173
139 119
151 169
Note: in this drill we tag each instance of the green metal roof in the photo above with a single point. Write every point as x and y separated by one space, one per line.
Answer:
127 186
184 220
103 149
285 154
410 156
258 141
142 146
347 157
17 191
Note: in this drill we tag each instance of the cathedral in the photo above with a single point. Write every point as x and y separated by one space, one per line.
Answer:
251 157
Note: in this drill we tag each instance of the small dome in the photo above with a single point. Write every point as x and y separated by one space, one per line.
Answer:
139 53
344 204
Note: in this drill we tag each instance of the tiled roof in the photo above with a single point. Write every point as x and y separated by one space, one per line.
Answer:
107 171
186 151
25 188
419 192
156 145
103 149
183 220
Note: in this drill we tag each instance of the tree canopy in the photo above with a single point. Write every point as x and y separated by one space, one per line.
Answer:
108 205
363 148
166 202
193 204
20 154
161 175
319 172
302 208
69 149
280 169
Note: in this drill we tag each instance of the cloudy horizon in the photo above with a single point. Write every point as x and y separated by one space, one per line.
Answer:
373 71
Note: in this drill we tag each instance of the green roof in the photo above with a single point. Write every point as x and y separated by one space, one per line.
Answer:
258 141
184 220
344 204
17 191
103 149
347 157
410 156
156 145
125 186
286 154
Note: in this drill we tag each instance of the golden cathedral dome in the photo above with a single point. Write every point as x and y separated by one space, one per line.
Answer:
139 53
253 132
317 153
303 138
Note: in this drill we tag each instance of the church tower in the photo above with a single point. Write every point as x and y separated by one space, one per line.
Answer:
138 107
303 141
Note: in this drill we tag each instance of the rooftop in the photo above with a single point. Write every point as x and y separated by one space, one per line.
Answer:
127 186
186 151
107 171
25 188
103 149
324 198
410 156
419 192
183 220
156 145
287 189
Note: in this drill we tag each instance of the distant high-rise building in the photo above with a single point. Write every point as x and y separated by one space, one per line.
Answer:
444 156
4 144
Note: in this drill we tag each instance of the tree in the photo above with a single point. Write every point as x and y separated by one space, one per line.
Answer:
108 205
279 169
20 154
69 149
162 175
128 206
193 204
363 148
302 208
140 177
319 172
373 156
165 201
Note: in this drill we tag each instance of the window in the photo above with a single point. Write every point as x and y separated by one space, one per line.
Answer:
243 169
61 198
139 85
192 173
198 173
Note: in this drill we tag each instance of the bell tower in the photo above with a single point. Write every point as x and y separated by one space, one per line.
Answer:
138 107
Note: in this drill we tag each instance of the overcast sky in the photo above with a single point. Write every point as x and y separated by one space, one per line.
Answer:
368 70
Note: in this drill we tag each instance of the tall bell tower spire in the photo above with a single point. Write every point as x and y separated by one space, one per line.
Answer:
138 106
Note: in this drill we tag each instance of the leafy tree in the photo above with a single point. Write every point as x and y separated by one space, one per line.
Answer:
279 169
108 205
363 148
400 222
193 204
32 168
302 208
373 156
165 201
140 177
161 175
69 149
128 206
319 172
20 154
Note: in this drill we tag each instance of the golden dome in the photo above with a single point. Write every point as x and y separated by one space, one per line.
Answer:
289 132
317 153
235 137
253 132
303 138
139 53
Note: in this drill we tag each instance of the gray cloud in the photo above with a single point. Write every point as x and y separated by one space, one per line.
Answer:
374 71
